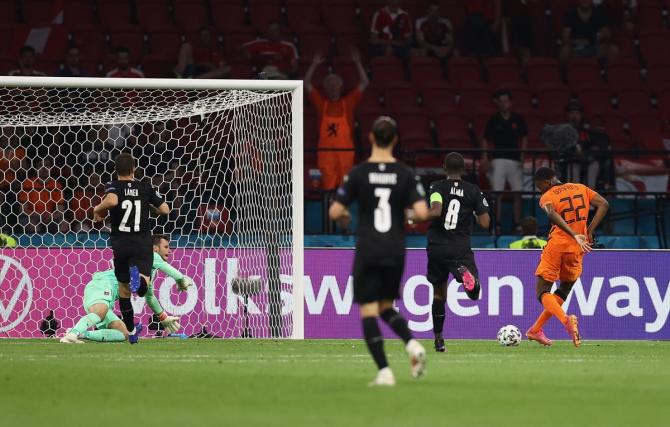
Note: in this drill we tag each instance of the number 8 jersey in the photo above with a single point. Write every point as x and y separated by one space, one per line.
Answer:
383 191
131 215
572 203
459 200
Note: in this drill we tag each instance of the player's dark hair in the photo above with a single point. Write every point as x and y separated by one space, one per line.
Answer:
124 164
156 238
122 49
385 130
529 226
544 174
27 49
502 92
454 163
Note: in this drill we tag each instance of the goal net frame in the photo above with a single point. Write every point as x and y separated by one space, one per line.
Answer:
295 87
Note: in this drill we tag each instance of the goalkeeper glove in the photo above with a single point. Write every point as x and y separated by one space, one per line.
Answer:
170 323
184 283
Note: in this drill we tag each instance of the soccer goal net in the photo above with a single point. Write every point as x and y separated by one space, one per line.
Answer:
227 157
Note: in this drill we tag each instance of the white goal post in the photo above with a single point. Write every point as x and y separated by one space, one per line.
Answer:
228 155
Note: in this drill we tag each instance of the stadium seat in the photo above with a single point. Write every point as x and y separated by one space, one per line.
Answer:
423 69
315 41
477 101
311 129
241 70
657 77
401 98
133 40
153 14
596 101
386 70
8 12
615 127
317 79
584 73
92 42
535 124
56 45
553 101
345 41
464 72
78 12
37 13
647 131
367 10
115 14
654 48
233 41
634 102
345 68
414 131
227 15
190 15
303 17
262 14
650 16
522 100
543 73
341 17
503 72
371 102
624 74
663 99
157 67
164 43
453 131
439 99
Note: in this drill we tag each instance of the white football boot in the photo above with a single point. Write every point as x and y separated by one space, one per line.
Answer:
384 378
71 338
417 358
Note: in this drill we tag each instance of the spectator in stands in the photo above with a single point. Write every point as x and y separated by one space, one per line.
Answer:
506 133
585 33
71 68
42 201
482 22
530 239
271 54
592 163
26 63
434 34
520 26
336 120
391 31
84 198
203 59
12 155
123 68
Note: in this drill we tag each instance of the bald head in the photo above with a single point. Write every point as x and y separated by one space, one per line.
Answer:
332 85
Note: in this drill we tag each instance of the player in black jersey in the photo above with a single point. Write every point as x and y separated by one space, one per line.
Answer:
383 189
452 205
130 202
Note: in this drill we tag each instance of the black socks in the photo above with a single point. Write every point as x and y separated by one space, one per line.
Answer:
438 312
397 323
374 341
127 313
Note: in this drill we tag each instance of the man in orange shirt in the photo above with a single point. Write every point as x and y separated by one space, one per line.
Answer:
567 206
336 120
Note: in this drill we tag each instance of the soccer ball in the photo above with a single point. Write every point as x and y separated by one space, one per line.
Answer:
509 335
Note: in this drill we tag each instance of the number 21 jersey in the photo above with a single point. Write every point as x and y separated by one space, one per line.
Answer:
571 202
131 215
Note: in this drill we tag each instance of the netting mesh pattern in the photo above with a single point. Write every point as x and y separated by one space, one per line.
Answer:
223 161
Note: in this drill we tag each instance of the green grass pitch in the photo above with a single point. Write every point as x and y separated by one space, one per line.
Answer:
193 383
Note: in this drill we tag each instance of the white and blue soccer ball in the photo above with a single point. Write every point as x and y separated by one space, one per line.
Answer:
509 335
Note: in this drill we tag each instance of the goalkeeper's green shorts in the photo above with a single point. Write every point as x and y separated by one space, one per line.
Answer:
99 292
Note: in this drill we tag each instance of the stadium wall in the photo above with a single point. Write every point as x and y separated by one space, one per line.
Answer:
621 294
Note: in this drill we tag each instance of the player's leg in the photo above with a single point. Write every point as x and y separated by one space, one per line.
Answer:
122 251
438 276
111 329
96 313
547 273
467 273
571 269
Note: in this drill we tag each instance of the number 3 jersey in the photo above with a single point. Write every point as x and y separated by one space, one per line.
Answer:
572 202
131 215
459 200
383 191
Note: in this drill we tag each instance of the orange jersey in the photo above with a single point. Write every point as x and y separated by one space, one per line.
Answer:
571 202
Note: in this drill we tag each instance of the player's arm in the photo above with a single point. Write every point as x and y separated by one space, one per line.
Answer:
163 209
344 195
484 220
159 207
556 219
339 213
170 323
110 201
183 282
481 211
602 206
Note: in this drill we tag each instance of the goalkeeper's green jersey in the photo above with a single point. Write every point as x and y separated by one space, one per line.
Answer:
109 278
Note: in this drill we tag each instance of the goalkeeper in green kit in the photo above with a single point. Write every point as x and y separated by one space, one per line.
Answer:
102 292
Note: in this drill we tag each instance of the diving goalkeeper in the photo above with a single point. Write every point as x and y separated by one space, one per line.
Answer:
102 292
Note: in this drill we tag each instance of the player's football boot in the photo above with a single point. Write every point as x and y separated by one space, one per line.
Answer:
384 378
71 338
469 283
135 279
538 336
439 345
417 358
571 325
134 335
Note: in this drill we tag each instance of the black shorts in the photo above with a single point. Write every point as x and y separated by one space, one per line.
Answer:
443 261
136 250
376 282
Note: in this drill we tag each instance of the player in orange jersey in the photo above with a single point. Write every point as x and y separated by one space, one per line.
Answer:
567 206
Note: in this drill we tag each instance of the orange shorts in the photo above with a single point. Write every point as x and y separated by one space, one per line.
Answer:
556 265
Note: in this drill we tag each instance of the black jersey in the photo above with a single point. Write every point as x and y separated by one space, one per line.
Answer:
459 200
383 191
131 215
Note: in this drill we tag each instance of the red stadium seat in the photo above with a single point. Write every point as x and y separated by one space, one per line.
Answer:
386 70
650 16
464 72
552 102
115 14
78 12
474 102
320 72
623 74
654 48
157 67
371 102
232 42
584 73
345 68
133 40
303 17
37 13
452 131
263 14
425 69
543 73
346 41
92 42
228 15
341 17
190 15
414 131
535 124
522 100
56 45
663 99
401 98
164 43
241 70
439 99
315 41
657 77
615 127
153 14
647 130
596 101
634 102
8 12
503 72
311 129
